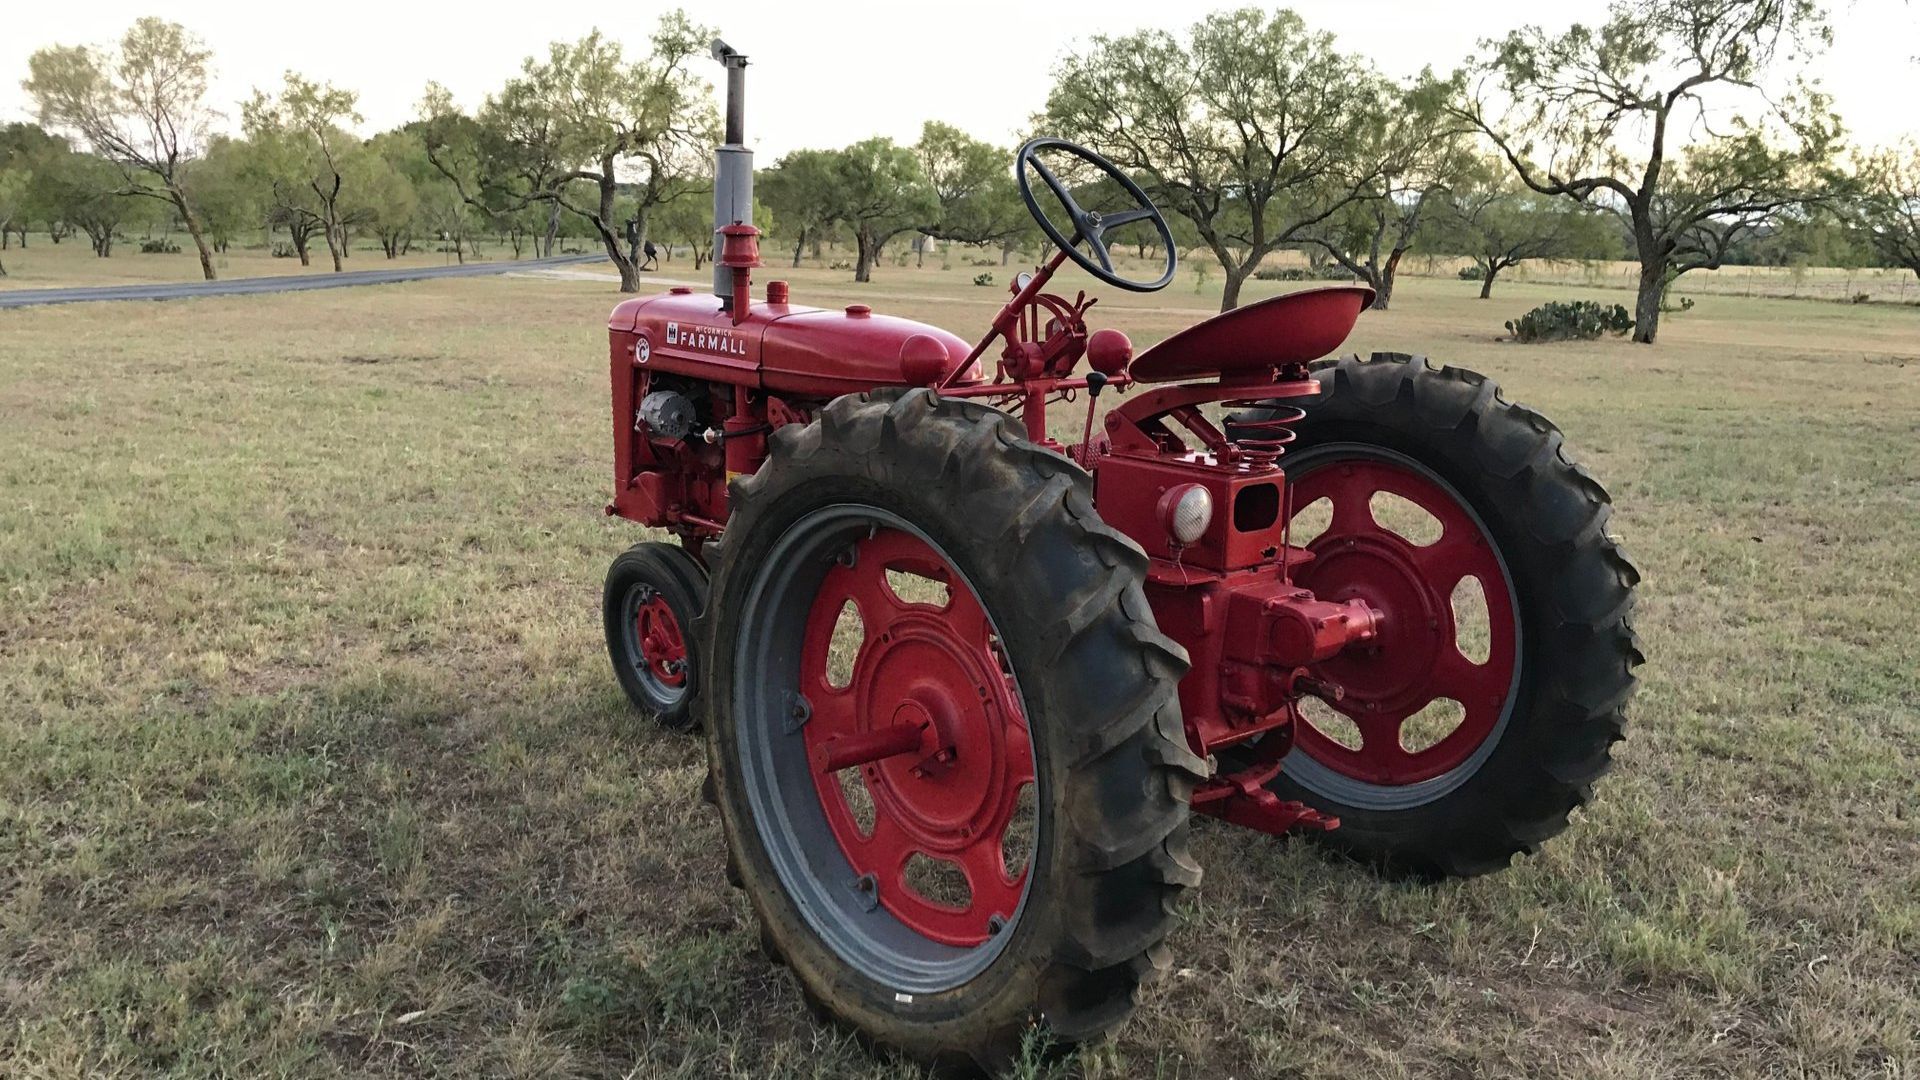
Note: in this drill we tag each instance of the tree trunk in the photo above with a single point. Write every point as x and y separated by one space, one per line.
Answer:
553 227
1006 253
1646 309
864 258
1383 292
797 246
194 229
1486 282
1230 290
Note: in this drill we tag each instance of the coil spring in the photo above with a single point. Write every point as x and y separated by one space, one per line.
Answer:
1261 442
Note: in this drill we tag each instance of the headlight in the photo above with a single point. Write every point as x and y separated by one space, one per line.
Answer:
1186 511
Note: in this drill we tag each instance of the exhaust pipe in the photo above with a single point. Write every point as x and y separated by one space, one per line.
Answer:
732 167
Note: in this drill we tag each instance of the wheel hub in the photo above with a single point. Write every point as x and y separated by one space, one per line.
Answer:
931 710
663 647
1417 659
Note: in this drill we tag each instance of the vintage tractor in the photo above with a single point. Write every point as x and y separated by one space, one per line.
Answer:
962 683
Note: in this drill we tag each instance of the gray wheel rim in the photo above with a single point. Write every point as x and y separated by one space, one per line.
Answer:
1330 784
777 780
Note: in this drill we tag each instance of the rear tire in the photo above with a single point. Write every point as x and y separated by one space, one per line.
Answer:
1094 680
1571 594
653 595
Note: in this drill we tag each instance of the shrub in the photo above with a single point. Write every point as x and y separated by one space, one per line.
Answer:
1570 320
1329 272
982 262
283 251
983 279
159 247
1472 273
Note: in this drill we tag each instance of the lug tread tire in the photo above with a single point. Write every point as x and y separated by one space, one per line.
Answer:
681 579
1101 686
1576 593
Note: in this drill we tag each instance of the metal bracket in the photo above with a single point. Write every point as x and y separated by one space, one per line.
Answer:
799 711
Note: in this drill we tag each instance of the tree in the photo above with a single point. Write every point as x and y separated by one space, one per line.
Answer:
229 198
689 221
306 131
1595 114
1499 223
973 186
1887 208
83 190
1412 153
1248 128
879 191
571 126
142 109
13 200
21 146
800 190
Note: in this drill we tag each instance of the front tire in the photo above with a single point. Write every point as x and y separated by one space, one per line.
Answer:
1536 714
654 592
1041 665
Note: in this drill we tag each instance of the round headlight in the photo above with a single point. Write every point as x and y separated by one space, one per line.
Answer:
1186 511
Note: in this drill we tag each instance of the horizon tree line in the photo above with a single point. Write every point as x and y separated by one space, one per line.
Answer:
1255 133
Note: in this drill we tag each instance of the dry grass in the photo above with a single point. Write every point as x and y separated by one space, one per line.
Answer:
310 762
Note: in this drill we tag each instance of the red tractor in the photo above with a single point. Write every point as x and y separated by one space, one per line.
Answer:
962 683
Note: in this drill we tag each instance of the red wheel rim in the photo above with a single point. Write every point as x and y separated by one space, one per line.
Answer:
949 786
1417 658
663 648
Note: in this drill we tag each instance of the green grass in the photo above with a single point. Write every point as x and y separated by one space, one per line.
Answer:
310 762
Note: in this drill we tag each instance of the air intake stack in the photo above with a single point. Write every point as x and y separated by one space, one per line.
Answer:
732 168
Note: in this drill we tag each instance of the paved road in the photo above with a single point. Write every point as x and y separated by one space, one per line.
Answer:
291 283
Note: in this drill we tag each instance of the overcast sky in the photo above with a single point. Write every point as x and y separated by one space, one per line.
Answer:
827 74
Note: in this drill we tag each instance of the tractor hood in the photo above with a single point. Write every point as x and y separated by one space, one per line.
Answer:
785 348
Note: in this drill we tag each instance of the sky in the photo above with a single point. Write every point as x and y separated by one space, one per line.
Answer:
830 73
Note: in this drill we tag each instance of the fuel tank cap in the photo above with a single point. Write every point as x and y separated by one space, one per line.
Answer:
858 311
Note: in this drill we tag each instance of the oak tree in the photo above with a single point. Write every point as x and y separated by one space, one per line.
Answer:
1886 209
1667 114
1249 127
583 126
142 107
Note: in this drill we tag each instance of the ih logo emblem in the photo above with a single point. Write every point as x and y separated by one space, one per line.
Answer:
673 333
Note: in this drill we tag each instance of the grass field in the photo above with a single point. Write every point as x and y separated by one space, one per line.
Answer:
311 763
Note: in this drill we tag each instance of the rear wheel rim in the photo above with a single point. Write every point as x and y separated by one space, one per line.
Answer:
1417 660
844 841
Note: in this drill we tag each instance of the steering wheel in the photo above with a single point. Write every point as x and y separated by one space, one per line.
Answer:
1091 226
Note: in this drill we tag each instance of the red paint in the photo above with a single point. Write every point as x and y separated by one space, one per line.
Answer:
935 729
1260 338
1415 658
662 645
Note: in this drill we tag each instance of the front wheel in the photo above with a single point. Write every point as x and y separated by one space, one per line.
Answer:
653 594
1484 712
943 731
